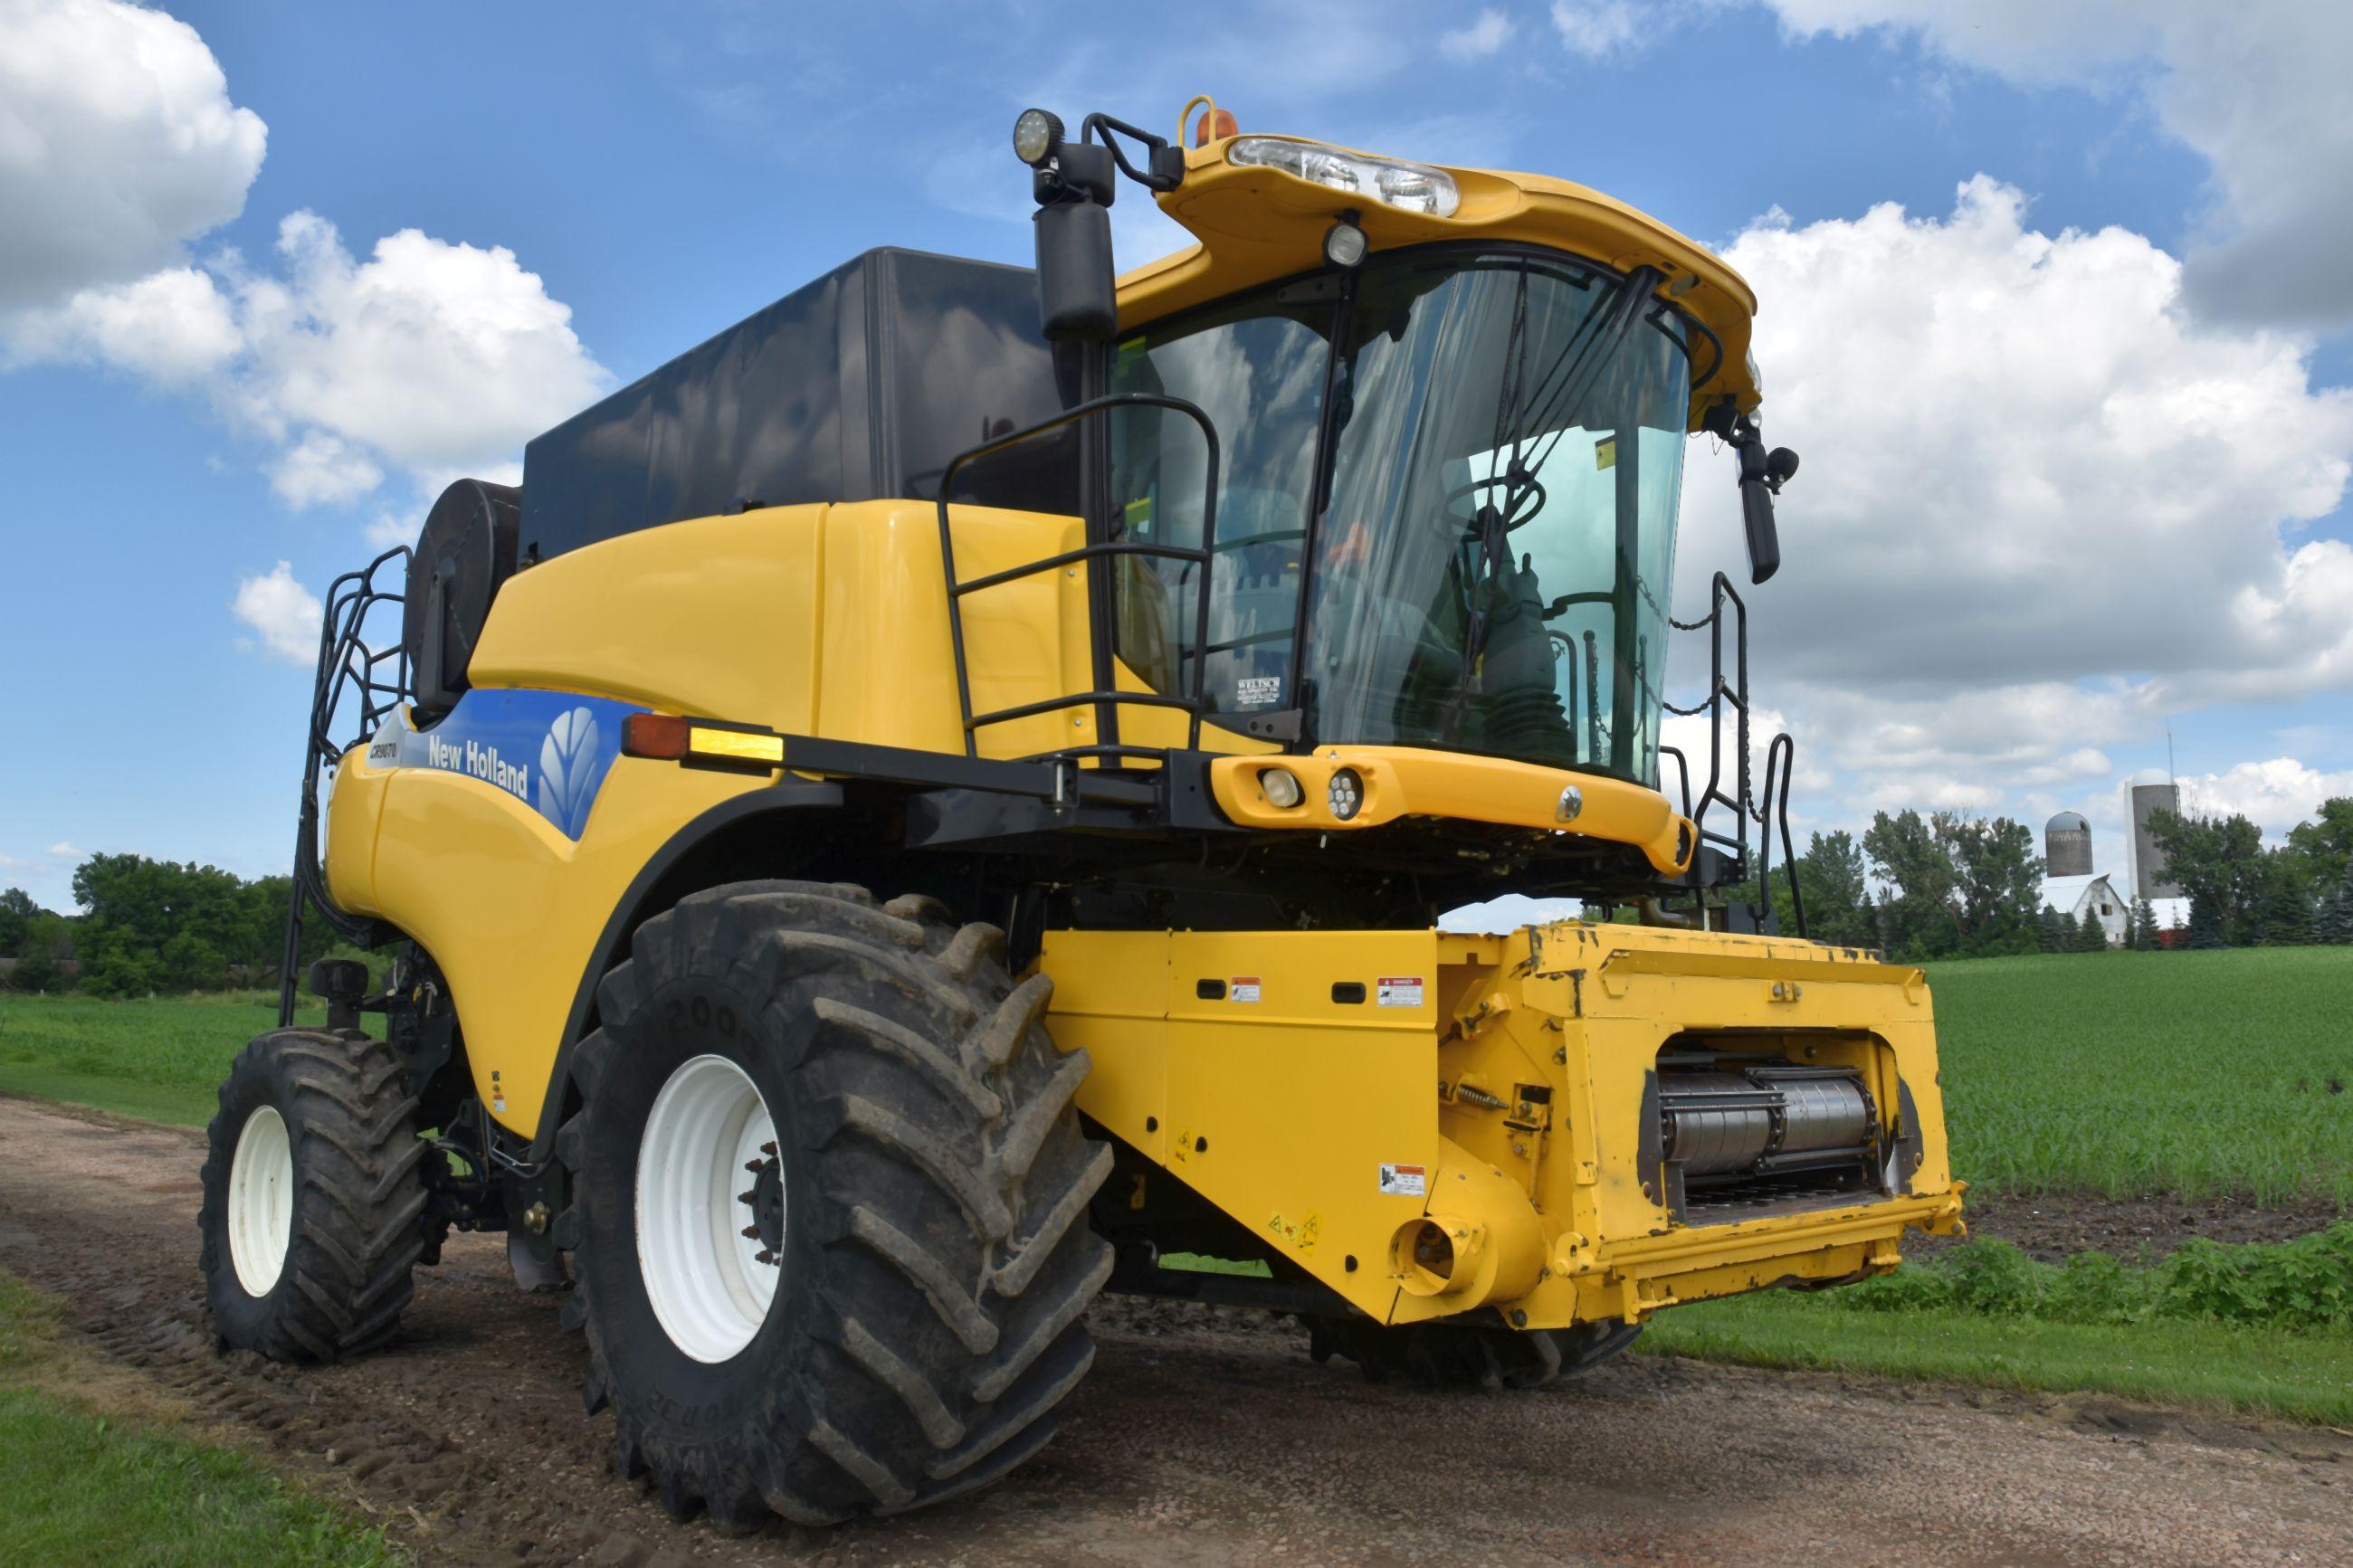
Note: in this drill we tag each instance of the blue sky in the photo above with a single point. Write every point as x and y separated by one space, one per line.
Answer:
2076 437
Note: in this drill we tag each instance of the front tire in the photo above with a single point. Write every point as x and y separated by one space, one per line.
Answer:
313 1197
828 1214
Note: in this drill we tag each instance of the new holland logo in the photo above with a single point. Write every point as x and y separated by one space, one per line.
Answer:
568 767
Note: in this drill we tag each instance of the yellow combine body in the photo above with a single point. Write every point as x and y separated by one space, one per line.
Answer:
1505 1075
1158 810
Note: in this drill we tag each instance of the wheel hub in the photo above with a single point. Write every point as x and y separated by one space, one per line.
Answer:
709 1275
765 1199
261 1201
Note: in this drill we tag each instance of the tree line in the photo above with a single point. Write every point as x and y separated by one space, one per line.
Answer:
149 926
1946 885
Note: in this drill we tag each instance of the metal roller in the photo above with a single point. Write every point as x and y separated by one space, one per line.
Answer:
1719 1122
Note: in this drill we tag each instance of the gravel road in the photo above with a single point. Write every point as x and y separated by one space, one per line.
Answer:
1198 1437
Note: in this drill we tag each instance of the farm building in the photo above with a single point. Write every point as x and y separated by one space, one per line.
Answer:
2090 898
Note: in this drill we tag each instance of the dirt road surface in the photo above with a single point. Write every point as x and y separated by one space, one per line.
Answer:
1196 1439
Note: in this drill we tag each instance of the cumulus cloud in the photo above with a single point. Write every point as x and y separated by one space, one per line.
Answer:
2044 505
2275 794
2027 466
63 849
323 469
281 613
172 327
429 355
1479 41
118 144
119 147
2258 91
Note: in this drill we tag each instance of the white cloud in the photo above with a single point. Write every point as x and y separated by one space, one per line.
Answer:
2275 794
282 613
172 327
1485 35
2258 89
323 469
118 144
63 849
429 355
2026 470
431 358
1600 28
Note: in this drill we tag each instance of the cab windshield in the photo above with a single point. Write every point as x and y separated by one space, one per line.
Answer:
1479 454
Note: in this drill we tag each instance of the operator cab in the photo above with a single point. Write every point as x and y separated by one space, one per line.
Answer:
1462 459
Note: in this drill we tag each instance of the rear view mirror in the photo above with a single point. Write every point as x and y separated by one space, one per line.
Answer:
1077 295
1762 475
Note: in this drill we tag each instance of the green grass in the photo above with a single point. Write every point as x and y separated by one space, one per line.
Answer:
87 1487
2232 1366
2130 1073
162 1059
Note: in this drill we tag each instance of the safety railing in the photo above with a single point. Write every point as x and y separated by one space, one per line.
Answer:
1768 811
368 682
1105 697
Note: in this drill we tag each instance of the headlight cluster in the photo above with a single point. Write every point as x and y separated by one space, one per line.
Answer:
1409 187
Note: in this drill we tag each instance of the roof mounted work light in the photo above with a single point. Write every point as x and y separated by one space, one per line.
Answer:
1409 187
1037 136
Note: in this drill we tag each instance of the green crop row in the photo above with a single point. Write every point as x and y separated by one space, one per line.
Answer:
2132 1073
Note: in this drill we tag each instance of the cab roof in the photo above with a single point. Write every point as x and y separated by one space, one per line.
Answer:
1253 224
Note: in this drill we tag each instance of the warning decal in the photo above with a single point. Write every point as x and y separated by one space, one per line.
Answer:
1411 1181
1396 991
1242 988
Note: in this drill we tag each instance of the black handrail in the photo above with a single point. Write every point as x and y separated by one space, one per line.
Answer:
347 665
1203 556
1780 762
1770 809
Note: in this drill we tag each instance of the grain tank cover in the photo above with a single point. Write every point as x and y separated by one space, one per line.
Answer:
859 386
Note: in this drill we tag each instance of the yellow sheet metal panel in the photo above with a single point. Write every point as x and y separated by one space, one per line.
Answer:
1405 781
716 616
1276 1102
1111 997
355 803
1256 224
1510 1071
511 910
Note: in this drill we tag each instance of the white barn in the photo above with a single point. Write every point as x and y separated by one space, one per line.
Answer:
2089 898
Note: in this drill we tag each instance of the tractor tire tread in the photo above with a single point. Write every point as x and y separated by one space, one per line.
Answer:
953 1265
358 1229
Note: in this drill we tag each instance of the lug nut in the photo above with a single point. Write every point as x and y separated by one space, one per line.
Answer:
751 1233
767 1148
745 1198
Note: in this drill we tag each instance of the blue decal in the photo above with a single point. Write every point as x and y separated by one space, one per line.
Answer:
551 749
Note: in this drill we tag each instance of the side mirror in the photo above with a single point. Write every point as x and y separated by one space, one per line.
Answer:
1074 183
1763 536
1762 475
1078 295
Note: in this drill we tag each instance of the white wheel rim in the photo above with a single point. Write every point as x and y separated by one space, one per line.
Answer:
709 1288
261 1201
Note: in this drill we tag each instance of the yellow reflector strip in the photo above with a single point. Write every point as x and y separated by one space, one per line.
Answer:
736 745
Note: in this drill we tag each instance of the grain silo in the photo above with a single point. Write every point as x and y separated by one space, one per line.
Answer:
2150 878
2067 846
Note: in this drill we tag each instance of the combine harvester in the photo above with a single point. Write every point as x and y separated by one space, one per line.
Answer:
940 798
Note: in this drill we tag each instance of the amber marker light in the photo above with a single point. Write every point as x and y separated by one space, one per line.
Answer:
661 736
